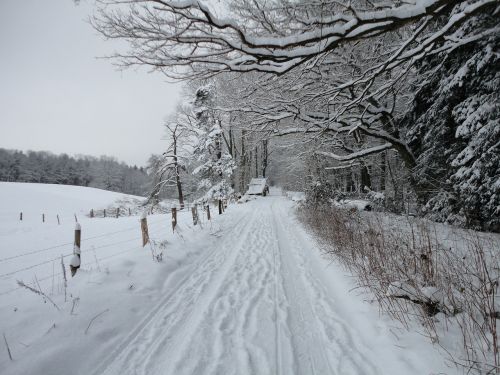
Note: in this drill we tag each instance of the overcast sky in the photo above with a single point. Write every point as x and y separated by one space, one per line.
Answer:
56 96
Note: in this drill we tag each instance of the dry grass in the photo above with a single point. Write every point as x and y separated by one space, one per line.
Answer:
445 277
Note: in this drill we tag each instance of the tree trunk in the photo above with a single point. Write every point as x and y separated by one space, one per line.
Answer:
382 171
243 163
350 187
177 176
366 182
256 162
218 145
264 157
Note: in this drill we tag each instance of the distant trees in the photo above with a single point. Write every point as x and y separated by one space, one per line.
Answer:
44 167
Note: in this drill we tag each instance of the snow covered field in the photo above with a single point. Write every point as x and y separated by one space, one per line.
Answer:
247 293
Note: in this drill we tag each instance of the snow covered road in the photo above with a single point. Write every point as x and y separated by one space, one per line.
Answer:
261 300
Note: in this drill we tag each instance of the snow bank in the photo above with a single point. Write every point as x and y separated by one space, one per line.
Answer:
357 204
296 196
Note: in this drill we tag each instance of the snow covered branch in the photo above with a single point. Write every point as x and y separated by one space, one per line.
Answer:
191 38
358 154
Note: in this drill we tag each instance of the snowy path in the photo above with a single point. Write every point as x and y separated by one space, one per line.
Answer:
259 301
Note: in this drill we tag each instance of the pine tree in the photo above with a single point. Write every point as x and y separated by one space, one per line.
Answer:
454 129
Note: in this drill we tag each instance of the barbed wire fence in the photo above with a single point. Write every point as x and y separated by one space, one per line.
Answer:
89 243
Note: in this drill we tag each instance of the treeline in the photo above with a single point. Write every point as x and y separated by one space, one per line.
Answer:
44 167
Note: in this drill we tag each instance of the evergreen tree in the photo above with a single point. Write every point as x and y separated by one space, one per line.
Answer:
454 130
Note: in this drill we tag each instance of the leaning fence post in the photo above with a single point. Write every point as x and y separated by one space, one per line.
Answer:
76 259
174 218
194 212
58 221
144 228
208 211
76 219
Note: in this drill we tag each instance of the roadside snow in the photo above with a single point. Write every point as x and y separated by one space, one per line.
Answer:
247 293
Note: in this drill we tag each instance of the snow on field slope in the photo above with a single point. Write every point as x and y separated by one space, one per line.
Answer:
63 200
247 293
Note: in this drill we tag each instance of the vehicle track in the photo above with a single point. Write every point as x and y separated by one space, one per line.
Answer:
137 350
252 304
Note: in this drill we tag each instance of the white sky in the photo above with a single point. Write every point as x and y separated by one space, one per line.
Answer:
56 96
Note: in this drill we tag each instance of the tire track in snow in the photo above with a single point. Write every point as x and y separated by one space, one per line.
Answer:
174 346
252 305
342 350
226 342
308 349
134 352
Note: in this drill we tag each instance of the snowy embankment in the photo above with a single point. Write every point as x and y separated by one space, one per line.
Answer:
115 270
247 293
432 278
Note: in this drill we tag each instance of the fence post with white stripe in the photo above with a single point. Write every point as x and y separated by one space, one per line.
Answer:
74 265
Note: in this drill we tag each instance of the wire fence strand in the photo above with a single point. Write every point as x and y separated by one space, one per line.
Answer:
152 223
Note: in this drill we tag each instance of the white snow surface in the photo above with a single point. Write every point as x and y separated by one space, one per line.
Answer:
33 200
247 293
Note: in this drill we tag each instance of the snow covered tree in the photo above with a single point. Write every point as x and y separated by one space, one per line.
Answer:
167 168
454 128
337 75
216 163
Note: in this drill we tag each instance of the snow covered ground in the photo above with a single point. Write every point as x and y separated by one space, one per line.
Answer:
33 200
247 293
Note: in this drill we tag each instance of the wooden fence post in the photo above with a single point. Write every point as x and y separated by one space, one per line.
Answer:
104 212
58 221
194 211
43 218
174 218
129 212
91 213
144 228
76 259
76 219
220 207
21 216
118 212
208 211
